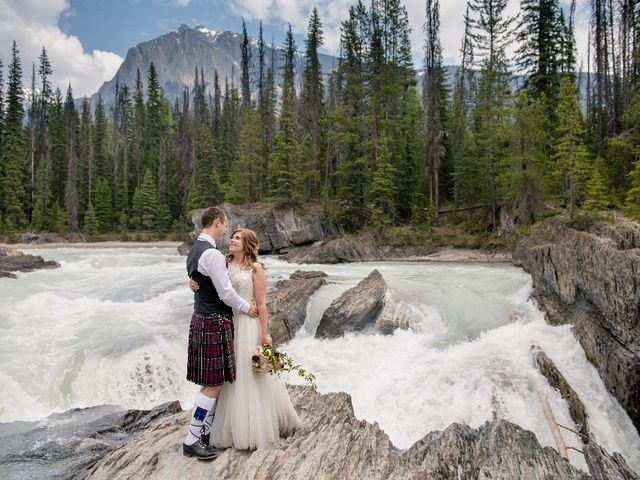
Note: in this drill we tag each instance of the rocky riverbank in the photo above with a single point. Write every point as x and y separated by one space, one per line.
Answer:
331 444
14 261
592 280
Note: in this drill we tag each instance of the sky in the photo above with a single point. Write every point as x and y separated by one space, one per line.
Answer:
87 40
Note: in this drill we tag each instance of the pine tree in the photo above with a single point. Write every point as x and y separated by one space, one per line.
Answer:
523 183
71 184
346 138
149 201
245 65
154 127
433 95
382 191
540 35
312 103
247 177
632 200
58 142
226 146
13 154
138 144
570 152
102 203
597 195
91 225
461 140
85 160
493 32
285 168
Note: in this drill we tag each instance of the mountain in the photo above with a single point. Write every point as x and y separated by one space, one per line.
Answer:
176 55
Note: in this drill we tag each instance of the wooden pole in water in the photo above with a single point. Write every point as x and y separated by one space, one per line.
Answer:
553 426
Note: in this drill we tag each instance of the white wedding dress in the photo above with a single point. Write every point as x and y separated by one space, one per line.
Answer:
256 409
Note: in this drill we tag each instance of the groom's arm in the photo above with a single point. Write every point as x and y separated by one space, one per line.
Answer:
213 264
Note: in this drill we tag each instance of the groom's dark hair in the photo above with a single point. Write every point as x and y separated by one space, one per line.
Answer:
210 215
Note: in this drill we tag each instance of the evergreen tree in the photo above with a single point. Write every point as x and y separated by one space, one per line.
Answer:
285 168
523 183
58 142
13 154
461 139
103 205
71 184
138 146
597 195
85 160
433 96
154 127
245 65
540 53
149 201
311 105
247 178
632 200
493 32
570 152
346 139
91 225
382 191
227 143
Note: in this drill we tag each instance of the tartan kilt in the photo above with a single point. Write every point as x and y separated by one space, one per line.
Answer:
211 355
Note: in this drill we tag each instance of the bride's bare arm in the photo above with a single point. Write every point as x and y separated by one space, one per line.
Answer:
260 296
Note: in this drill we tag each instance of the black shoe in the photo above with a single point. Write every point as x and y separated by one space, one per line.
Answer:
205 438
200 451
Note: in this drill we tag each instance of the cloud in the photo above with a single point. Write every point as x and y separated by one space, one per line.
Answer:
34 24
333 12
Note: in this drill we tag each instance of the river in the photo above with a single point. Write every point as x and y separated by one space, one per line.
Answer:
110 327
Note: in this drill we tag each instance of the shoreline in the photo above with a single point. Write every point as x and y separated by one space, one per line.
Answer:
107 244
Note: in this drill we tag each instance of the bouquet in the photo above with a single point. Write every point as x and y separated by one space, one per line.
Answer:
268 359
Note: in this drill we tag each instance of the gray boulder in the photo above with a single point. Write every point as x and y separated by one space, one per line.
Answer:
355 308
287 305
277 228
14 261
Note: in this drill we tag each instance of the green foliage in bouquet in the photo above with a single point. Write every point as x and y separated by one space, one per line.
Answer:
268 359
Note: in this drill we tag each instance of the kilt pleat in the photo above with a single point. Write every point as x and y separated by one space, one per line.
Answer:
211 355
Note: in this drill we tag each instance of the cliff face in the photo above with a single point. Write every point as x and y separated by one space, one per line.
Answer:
277 228
591 280
333 444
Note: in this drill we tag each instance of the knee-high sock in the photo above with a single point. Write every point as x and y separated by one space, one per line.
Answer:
201 407
208 421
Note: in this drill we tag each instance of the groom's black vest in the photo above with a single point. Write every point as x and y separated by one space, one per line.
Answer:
206 299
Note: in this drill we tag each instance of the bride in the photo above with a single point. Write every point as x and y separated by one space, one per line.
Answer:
255 409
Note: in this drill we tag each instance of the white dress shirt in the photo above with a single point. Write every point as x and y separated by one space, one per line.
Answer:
213 264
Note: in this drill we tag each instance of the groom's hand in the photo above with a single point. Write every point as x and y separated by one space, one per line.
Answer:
253 310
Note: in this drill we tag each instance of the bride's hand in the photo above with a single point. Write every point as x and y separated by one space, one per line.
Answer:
265 339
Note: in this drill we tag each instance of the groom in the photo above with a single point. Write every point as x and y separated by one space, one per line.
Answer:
210 361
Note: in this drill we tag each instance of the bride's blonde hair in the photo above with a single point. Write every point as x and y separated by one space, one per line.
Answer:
250 247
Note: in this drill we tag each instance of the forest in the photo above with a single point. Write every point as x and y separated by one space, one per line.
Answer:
378 142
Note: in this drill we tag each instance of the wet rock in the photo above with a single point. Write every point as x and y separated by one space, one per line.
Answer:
332 444
592 280
556 380
355 308
14 261
498 450
64 444
287 305
603 466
